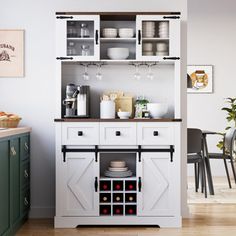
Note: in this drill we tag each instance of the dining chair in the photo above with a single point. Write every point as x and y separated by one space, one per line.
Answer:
195 155
228 152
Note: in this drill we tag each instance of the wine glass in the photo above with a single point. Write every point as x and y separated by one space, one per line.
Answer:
150 74
85 74
99 73
137 75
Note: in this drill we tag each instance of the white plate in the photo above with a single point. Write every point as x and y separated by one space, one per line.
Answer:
117 169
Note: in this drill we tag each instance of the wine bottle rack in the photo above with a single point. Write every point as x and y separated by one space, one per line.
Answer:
118 197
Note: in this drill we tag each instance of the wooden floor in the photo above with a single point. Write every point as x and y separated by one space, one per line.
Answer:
205 219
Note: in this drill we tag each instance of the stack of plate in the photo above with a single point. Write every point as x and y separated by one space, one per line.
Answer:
163 29
162 49
147 49
118 169
148 29
109 32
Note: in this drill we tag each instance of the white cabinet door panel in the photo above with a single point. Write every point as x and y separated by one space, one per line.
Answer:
157 196
78 185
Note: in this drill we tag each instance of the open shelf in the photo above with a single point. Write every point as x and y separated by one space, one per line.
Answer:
115 40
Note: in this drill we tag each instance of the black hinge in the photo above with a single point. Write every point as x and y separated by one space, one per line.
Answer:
171 17
64 58
139 184
96 184
171 153
64 152
171 58
96 153
139 153
139 37
96 37
65 17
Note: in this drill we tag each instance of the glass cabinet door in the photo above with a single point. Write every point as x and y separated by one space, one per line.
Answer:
79 37
157 37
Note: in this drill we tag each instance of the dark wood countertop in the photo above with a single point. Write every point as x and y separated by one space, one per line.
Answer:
115 120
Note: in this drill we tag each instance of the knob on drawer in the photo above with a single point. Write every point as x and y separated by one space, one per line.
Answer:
117 133
80 133
155 133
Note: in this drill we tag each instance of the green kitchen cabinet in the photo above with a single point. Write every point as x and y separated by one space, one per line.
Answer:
14 182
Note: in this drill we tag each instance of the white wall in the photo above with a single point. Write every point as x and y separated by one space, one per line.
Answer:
32 97
211 40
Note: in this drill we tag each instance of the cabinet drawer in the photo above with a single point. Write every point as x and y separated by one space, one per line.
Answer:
24 147
25 174
25 201
80 133
155 134
118 133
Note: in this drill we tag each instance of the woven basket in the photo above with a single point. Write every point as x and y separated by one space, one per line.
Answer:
9 123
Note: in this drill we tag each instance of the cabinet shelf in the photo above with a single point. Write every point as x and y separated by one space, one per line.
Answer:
80 39
155 39
120 40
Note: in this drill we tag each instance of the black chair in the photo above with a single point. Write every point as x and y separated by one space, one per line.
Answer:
196 156
228 152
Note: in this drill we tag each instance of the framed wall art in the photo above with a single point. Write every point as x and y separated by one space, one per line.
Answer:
200 79
11 53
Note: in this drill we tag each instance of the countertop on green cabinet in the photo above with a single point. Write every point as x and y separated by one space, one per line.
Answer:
13 131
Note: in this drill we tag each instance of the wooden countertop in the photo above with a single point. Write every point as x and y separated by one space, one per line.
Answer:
115 120
13 131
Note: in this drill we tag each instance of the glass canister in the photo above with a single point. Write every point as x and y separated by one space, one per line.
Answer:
84 31
85 50
71 50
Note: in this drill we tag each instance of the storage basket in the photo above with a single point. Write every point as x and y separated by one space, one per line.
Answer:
9 123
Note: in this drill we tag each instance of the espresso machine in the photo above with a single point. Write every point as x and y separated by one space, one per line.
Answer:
77 101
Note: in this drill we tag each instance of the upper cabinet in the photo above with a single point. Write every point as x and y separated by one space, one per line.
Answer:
158 37
118 37
78 37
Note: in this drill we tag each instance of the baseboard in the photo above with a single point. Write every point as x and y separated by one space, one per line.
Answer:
41 212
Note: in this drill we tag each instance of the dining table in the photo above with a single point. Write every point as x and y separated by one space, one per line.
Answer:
207 160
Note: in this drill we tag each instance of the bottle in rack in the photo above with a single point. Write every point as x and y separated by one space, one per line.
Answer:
105 185
130 210
105 210
117 209
105 197
117 185
130 185
117 197
130 197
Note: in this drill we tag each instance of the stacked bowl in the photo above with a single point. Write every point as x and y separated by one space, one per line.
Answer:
163 29
126 33
148 29
147 49
162 49
109 32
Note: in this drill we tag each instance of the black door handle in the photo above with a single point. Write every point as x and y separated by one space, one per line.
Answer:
171 58
96 184
139 36
80 133
155 133
139 184
64 58
64 17
96 37
117 133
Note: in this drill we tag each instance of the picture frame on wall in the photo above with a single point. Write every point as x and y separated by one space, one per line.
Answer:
200 79
11 53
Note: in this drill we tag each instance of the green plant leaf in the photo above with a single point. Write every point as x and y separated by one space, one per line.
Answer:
226 109
228 127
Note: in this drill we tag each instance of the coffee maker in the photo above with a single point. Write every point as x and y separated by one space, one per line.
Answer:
77 101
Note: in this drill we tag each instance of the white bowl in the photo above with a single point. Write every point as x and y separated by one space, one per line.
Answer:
118 53
123 114
109 32
157 110
117 164
126 33
161 47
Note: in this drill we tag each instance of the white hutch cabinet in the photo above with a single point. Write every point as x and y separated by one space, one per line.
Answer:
151 148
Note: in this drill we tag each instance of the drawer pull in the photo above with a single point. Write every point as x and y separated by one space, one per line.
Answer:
117 133
26 174
26 201
80 133
26 146
13 151
155 133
